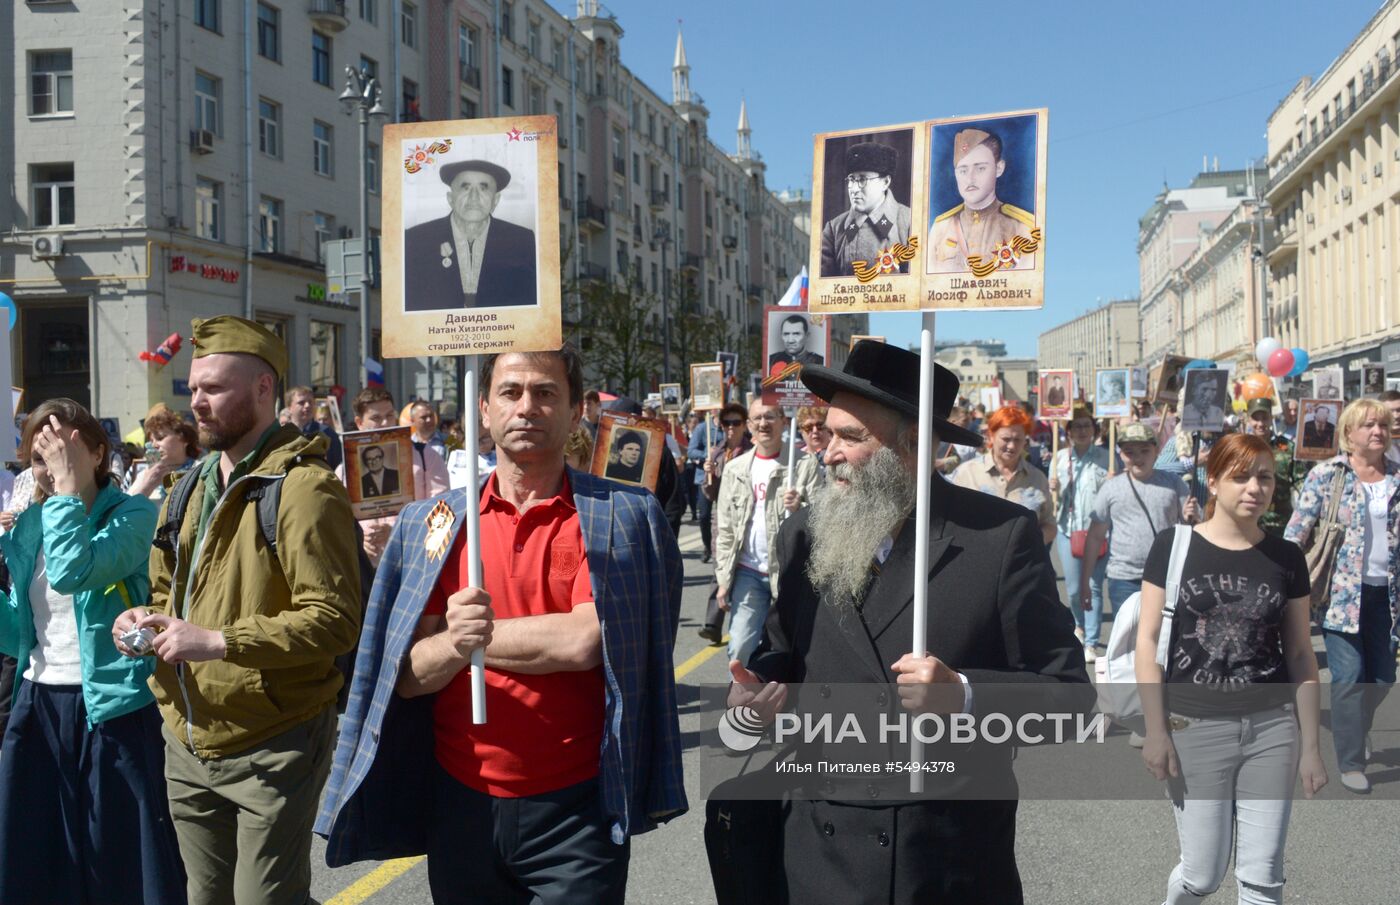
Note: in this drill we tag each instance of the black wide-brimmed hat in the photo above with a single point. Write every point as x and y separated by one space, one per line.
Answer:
449 171
889 376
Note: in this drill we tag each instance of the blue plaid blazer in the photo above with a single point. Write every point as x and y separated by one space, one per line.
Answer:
376 799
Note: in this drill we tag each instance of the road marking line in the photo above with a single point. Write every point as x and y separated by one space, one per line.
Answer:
389 871
699 657
374 881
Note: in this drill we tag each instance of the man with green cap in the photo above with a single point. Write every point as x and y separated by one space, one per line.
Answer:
247 632
1288 471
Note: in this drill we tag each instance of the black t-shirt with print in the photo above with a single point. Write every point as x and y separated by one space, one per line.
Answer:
1227 645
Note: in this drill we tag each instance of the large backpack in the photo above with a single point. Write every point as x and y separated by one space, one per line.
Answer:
268 497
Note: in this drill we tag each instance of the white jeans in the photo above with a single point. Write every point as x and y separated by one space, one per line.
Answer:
1237 778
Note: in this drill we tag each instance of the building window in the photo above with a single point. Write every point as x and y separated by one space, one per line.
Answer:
269 127
507 87
269 32
325 350
54 203
207 92
408 23
51 82
508 21
556 57
269 225
369 67
321 144
411 113
324 225
636 168
320 58
469 108
208 209
206 14
536 99
532 39
581 134
372 167
369 11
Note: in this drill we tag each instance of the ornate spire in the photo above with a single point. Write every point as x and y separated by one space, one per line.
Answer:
745 146
680 74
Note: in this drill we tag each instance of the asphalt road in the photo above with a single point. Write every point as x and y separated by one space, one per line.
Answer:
1340 850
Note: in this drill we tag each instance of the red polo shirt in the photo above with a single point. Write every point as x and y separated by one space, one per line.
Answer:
543 732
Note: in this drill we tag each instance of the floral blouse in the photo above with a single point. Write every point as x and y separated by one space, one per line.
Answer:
1344 609
1085 474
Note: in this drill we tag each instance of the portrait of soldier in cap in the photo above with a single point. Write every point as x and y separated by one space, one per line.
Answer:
875 221
982 224
469 258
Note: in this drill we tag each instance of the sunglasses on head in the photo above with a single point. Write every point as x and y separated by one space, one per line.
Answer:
732 422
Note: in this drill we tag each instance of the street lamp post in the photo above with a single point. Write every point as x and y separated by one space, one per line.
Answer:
362 94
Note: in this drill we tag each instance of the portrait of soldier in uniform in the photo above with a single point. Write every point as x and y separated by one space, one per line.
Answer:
982 224
794 333
876 220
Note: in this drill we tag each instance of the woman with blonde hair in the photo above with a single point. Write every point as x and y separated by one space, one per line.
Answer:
1363 594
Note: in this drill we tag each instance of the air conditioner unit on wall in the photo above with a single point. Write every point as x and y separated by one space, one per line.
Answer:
201 141
47 245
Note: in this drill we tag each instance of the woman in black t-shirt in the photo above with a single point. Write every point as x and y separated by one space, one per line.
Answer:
1227 730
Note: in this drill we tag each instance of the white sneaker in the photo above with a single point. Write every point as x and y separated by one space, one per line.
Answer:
1137 741
1079 633
1368 748
1356 782
1090 655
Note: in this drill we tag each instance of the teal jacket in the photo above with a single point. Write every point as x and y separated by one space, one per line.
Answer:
100 558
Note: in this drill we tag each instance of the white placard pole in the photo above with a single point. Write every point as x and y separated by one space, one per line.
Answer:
471 428
792 447
921 513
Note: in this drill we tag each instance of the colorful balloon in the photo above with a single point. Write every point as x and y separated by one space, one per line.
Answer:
1256 386
1281 362
1267 346
1301 361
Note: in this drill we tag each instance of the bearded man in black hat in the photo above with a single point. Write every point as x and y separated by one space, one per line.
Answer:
844 615
469 259
875 221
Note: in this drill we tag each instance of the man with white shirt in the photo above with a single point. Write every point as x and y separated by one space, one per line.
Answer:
752 502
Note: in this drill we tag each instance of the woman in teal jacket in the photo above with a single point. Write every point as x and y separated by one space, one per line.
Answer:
83 810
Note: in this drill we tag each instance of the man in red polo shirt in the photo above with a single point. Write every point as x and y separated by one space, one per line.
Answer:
520 811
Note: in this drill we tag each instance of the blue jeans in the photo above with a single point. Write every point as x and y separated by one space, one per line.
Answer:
1089 620
1119 590
749 598
1363 669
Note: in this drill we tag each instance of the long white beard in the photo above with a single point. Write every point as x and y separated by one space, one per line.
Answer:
849 522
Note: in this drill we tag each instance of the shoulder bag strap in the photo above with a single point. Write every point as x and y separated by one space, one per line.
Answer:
1335 500
1181 543
1133 488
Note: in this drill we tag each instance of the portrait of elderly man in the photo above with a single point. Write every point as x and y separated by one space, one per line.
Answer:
377 479
843 614
982 224
795 332
469 258
875 220
1205 400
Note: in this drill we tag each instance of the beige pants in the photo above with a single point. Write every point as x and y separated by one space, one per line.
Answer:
244 822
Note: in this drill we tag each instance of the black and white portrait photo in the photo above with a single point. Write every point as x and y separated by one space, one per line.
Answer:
470 219
1206 400
378 476
1318 433
1111 393
1372 380
730 360
865 201
670 398
793 338
627 458
1327 383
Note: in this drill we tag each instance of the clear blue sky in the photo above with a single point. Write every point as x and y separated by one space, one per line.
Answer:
1137 92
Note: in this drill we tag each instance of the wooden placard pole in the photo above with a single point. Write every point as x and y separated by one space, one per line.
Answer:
471 418
922 485
1054 454
1112 447
792 449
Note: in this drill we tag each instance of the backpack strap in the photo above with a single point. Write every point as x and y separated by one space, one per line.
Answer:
168 533
268 496
1181 543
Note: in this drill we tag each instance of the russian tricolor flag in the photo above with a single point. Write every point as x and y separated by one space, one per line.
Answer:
797 292
374 373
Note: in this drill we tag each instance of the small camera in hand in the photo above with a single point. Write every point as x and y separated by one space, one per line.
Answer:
141 641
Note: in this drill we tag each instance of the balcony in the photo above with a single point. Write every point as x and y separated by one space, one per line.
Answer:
691 261
619 166
469 74
593 216
593 272
756 292
658 199
328 14
731 243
